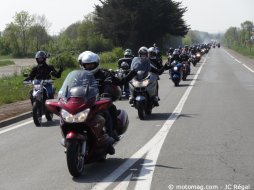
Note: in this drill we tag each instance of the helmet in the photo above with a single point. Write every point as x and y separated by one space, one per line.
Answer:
128 53
90 61
40 57
152 53
80 56
143 51
125 65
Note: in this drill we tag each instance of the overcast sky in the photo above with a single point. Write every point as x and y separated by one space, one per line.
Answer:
205 15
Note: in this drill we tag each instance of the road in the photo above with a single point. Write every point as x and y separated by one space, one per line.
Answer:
19 65
200 137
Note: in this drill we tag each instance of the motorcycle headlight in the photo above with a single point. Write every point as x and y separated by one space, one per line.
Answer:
175 68
37 87
77 118
141 83
198 55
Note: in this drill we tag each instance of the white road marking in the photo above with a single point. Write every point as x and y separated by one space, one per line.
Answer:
248 68
124 185
151 148
145 181
15 127
237 60
240 62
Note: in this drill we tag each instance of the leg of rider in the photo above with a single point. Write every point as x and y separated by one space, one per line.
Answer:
113 112
108 124
31 96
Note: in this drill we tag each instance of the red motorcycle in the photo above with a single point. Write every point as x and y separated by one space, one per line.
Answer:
82 121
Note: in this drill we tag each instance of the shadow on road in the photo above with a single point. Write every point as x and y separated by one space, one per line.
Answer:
157 116
53 123
99 171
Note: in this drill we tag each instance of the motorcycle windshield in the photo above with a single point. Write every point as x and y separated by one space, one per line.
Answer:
79 83
142 66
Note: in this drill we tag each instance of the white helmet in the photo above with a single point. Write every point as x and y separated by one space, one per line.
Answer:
90 58
152 53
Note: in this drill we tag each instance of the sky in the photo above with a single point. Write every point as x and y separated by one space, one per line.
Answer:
211 16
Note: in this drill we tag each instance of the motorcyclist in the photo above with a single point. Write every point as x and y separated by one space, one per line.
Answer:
125 64
156 65
128 56
142 59
43 71
158 53
91 62
170 51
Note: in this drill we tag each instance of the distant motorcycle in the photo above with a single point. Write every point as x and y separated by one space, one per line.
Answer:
121 73
186 69
38 97
176 72
82 121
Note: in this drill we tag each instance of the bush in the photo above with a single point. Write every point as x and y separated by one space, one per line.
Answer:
65 59
111 57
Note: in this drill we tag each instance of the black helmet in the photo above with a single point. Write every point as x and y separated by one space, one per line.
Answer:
125 65
41 57
143 51
116 93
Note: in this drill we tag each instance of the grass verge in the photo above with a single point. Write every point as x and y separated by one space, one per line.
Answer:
6 62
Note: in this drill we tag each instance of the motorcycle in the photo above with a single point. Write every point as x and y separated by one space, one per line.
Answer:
185 69
121 73
176 72
143 88
38 96
82 121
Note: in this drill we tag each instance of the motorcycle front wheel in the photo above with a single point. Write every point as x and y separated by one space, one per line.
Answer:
75 159
141 111
37 114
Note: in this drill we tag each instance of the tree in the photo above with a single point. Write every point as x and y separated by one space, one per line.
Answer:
23 22
11 36
133 23
247 27
230 36
38 32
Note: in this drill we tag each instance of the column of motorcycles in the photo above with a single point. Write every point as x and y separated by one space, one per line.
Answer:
180 61
80 109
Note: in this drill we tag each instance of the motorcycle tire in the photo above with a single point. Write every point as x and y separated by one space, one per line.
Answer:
49 115
37 114
75 161
176 84
141 112
148 111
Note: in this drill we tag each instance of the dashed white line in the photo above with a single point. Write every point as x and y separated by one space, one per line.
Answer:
240 62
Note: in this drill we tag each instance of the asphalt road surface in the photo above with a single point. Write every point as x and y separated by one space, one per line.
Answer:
200 137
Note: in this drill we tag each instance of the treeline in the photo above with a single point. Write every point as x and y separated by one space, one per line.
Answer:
114 23
239 38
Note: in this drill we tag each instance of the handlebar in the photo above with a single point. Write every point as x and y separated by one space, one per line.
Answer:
48 81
